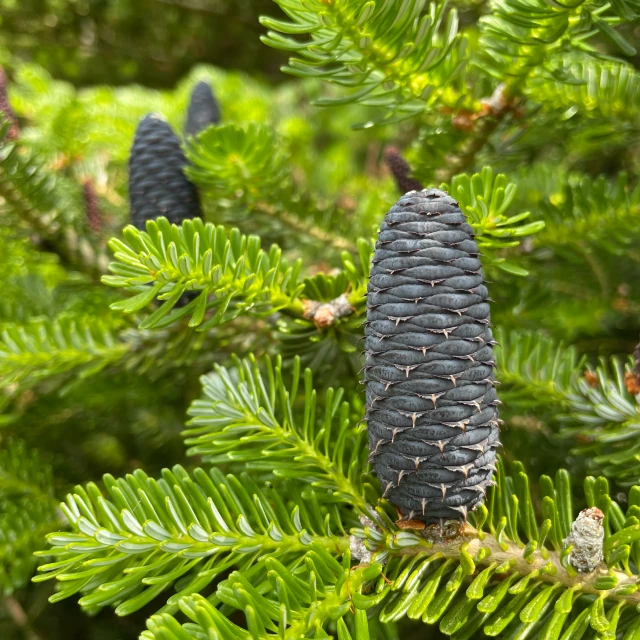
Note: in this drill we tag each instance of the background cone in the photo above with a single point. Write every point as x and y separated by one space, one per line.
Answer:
157 184
203 109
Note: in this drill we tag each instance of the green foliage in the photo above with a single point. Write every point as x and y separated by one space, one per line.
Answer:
233 162
230 272
596 88
333 349
392 57
485 200
111 40
183 529
518 37
247 417
27 513
598 212
605 416
535 368
524 111
510 573
48 204
45 348
304 602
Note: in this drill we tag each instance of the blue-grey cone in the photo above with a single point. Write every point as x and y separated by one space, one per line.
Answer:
157 183
429 372
203 109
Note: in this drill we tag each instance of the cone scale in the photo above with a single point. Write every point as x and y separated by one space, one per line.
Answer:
431 402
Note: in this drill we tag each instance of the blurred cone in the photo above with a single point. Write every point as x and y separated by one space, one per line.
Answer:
157 183
400 170
203 109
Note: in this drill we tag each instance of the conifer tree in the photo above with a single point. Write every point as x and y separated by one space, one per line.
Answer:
257 382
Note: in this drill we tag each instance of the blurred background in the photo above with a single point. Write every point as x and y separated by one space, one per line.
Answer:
152 42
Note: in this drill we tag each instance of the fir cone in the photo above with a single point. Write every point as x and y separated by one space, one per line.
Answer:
203 109
157 184
431 401
91 207
400 170
5 107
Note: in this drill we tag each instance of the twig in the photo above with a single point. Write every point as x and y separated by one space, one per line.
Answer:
66 242
547 567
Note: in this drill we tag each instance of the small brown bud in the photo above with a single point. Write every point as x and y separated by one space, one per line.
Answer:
632 382
326 314
591 378
464 120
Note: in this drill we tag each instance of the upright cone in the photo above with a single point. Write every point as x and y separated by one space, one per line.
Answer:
157 183
431 400
203 109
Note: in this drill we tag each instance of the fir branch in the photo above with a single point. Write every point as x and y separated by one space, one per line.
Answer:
129 548
485 200
41 200
27 513
505 572
236 162
309 604
230 272
24 472
596 213
483 125
46 348
302 226
592 87
327 342
71 344
517 38
516 42
248 417
533 368
246 166
604 415
394 58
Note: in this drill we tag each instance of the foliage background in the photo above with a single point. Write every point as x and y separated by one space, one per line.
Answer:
82 73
